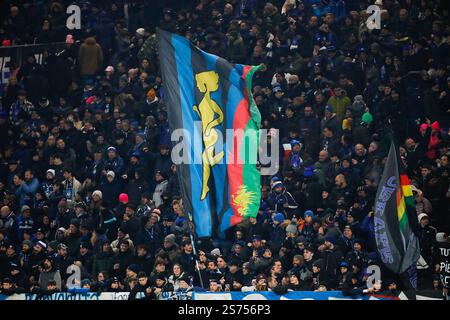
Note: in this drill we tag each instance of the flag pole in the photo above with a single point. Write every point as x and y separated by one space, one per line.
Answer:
194 250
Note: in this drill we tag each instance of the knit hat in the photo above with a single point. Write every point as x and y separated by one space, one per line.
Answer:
421 216
134 267
69 39
75 222
274 179
53 244
170 238
318 263
52 171
358 98
331 239
41 244
435 126
308 213
111 149
111 173
140 31
256 237
367 118
109 68
292 228
123 198
328 108
278 217
141 135
216 252
423 127
28 243
277 184
25 208
97 193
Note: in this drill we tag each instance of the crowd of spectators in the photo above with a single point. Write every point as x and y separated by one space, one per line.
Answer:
87 184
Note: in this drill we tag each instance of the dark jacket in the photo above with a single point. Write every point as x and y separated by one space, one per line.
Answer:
331 260
90 57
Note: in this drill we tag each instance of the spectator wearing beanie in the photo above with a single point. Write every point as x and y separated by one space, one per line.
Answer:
110 188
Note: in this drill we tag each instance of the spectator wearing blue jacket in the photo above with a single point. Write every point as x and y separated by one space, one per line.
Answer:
368 229
281 200
114 162
27 188
25 222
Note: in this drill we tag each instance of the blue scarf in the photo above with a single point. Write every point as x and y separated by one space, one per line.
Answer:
296 161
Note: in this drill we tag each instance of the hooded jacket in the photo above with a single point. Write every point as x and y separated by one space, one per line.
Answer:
90 57
46 276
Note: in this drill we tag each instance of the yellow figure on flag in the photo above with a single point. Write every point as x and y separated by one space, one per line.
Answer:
243 198
208 82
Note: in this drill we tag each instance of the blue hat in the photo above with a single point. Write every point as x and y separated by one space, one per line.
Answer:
136 154
294 142
134 267
277 88
330 239
275 178
344 264
329 108
278 217
256 237
141 135
112 149
331 48
85 282
241 243
277 184
308 213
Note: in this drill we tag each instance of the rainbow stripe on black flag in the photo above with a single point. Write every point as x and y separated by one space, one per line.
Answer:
395 219
206 96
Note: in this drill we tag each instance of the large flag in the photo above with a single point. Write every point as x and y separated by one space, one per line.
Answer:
207 96
397 244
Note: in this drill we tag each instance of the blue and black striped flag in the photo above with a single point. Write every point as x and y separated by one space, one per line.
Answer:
206 95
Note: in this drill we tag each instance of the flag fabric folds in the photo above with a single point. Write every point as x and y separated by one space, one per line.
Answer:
397 244
206 96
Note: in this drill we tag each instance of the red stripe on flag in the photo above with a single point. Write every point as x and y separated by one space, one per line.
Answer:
235 167
404 180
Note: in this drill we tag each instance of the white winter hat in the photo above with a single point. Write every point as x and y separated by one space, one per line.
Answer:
140 31
421 216
111 173
98 193
215 252
52 171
